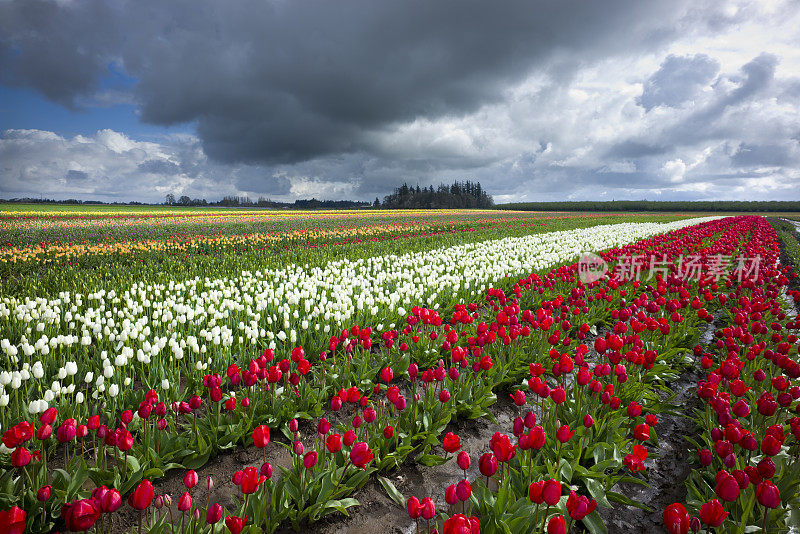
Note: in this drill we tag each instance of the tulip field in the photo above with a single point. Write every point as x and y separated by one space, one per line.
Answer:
202 371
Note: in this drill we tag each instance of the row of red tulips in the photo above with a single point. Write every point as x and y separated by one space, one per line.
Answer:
470 362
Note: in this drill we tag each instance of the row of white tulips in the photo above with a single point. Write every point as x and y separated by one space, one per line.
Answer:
154 332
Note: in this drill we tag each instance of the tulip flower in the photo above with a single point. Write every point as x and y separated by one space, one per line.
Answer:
142 496
310 459
13 521
768 495
235 524
44 493
20 457
727 488
463 460
112 501
80 516
361 455
428 509
461 524
676 519
641 432
190 479
261 436
185 502
487 464
414 508
551 492
214 514
333 443
712 513
556 525
250 480
579 506
564 433
451 442
349 438
502 448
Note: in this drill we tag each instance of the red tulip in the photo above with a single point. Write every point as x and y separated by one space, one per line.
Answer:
519 397
712 513
537 437
349 438
361 455
261 436
676 519
190 479
251 479
214 514
428 509
111 502
235 524
463 490
310 459
334 443
185 502
142 497
556 525
768 495
487 464
461 524
13 521
727 488
502 447
20 457
641 432
18 434
124 440
451 442
564 433
80 516
535 492
66 432
579 506
551 492
463 460
44 493
414 508
48 417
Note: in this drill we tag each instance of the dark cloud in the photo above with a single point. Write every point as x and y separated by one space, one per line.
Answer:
59 49
76 176
677 80
159 166
290 81
748 155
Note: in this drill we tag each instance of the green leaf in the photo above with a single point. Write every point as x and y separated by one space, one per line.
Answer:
153 473
597 491
392 491
594 524
133 463
77 481
197 460
431 460
620 498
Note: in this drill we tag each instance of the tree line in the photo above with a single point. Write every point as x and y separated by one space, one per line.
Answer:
458 195
246 202
658 205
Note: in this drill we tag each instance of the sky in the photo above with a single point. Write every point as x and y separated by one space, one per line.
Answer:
121 100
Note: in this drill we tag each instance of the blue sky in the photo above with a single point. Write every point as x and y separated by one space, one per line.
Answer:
132 100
